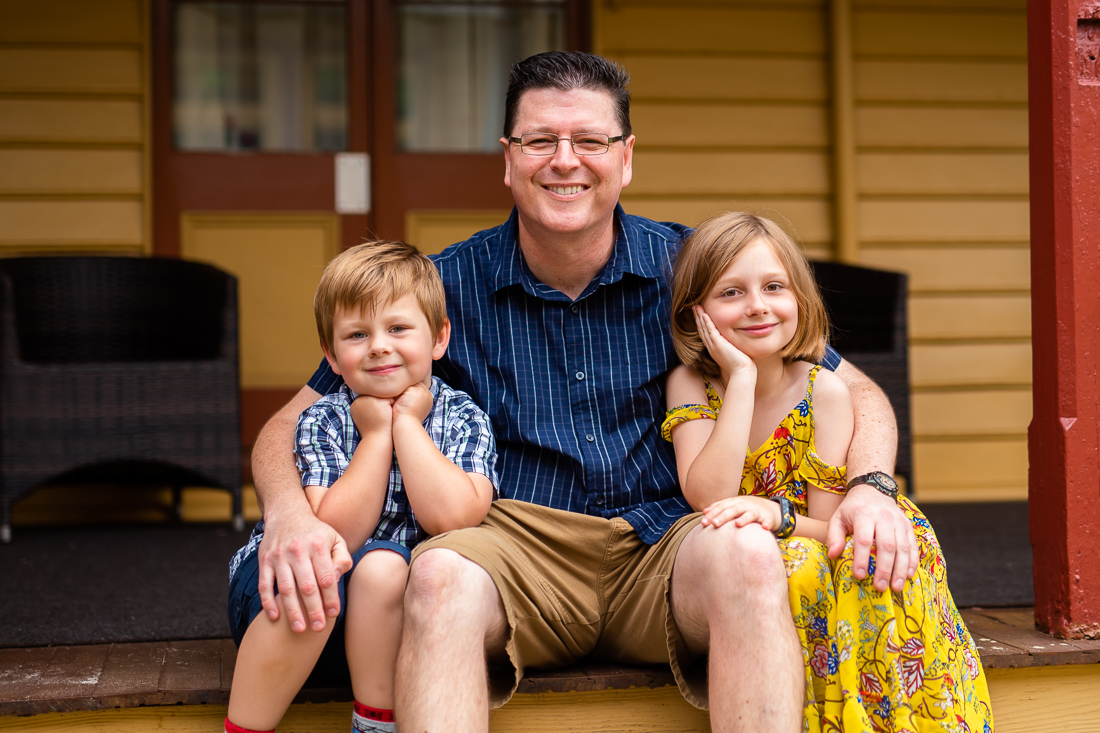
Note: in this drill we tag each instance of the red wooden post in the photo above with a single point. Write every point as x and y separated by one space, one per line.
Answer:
1064 436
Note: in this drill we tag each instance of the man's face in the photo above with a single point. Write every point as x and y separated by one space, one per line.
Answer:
566 193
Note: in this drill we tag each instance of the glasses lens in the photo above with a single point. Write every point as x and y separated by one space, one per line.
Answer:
535 143
590 143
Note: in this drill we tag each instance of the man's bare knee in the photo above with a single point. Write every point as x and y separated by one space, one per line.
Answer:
446 591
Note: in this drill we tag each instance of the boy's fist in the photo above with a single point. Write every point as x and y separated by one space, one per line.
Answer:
372 414
416 401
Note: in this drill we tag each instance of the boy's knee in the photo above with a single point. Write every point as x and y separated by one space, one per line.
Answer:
380 577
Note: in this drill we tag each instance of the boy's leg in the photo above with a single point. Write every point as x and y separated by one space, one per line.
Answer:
372 632
272 665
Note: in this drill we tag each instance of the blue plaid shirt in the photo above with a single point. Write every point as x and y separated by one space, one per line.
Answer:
574 389
327 438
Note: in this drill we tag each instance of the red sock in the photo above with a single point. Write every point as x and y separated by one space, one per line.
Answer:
383 716
230 728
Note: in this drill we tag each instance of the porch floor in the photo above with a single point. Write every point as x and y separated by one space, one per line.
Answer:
107 676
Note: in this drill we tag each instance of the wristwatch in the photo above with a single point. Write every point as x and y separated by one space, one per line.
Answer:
786 522
884 482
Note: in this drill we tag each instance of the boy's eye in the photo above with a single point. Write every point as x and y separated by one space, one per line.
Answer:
358 335
399 329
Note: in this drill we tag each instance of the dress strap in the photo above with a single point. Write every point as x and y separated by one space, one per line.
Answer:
810 383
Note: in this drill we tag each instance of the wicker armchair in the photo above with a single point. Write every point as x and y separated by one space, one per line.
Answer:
117 368
868 319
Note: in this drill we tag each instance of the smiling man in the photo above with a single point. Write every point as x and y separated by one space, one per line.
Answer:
560 331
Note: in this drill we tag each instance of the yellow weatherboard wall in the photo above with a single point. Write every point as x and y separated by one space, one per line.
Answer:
433 231
732 109
74 126
278 260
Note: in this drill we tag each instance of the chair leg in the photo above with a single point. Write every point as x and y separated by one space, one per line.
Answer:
238 513
177 501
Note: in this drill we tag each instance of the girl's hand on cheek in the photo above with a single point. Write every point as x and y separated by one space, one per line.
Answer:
743 510
730 359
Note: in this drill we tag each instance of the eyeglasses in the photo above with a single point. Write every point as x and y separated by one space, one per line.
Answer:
583 143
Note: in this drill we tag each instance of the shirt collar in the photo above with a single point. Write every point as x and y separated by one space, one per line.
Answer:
628 256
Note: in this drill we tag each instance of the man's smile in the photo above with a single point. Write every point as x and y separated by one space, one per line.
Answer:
566 190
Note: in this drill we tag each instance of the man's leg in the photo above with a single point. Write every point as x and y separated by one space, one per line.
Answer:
453 618
729 597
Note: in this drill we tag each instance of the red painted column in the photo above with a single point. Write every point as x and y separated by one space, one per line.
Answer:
1064 436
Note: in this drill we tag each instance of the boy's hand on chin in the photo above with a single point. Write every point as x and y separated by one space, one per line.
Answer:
416 401
372 414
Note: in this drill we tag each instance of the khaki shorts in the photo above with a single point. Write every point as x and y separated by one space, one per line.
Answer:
575 585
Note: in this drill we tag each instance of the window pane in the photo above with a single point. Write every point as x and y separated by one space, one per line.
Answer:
260 76
453 64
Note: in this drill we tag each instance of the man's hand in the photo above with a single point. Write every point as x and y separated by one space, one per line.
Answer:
872 518
416 402
372 414
306 557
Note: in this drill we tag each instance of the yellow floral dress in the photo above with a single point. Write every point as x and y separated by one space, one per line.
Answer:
874 661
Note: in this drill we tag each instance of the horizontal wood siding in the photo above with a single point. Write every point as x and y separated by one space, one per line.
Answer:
731 108
74 129
941 134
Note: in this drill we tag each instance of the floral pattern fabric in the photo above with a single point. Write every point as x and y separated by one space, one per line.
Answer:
874 661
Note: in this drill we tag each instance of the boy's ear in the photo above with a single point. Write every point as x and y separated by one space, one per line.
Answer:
331 361
441 340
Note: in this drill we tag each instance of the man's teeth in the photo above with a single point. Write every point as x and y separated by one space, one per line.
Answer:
566 190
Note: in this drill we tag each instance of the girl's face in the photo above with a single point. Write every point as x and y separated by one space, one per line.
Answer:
752 304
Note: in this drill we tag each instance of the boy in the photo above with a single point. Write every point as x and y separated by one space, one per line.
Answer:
394 456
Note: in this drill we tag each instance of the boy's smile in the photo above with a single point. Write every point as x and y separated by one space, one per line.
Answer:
383 352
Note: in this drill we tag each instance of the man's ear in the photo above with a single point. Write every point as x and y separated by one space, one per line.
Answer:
507 161
439 348
331 361
628 160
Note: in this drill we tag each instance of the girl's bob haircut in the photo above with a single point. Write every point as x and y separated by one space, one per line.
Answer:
706 256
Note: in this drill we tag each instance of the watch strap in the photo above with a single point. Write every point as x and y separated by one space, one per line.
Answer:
786 513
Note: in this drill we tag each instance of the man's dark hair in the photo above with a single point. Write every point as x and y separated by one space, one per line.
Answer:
567 70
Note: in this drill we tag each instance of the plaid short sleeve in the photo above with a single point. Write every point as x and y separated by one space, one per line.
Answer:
467 435
322 444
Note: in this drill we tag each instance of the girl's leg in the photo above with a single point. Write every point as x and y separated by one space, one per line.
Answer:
373 626
272 665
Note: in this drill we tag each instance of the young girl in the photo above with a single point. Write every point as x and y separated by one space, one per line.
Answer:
750 326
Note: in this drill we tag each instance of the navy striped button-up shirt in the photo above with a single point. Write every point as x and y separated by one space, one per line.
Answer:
574 389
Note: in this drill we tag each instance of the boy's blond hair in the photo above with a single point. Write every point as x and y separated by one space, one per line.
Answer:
704 259
374 274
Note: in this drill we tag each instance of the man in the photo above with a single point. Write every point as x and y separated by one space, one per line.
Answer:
560 332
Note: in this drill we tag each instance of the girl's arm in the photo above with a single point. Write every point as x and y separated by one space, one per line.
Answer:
353 504
833 424
704 447
442 496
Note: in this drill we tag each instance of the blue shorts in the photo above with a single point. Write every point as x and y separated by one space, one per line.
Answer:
331 669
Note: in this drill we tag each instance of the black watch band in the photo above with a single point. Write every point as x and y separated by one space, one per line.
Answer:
884 482
786 513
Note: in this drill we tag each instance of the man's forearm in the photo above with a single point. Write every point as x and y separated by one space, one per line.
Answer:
875 438
278 484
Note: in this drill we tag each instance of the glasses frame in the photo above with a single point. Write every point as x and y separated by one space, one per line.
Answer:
523 148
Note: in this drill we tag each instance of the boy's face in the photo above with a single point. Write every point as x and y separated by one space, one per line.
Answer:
382 353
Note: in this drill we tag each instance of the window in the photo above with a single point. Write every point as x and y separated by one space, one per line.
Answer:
453 62
260 76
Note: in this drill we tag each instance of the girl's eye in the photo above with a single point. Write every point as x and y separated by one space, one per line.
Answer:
731 292
772 287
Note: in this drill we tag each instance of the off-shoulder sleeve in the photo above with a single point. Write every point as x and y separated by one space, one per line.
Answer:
682 414
824 476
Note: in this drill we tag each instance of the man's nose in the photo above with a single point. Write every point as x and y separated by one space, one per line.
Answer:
564 157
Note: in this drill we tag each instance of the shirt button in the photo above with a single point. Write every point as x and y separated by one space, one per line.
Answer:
574 309
580 376
590 438
599 501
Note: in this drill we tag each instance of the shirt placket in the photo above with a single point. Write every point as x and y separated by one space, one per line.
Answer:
581 372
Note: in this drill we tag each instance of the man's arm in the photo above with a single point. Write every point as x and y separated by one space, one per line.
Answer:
867 515
301 553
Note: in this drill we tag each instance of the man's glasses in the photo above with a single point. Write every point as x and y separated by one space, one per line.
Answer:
583 143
